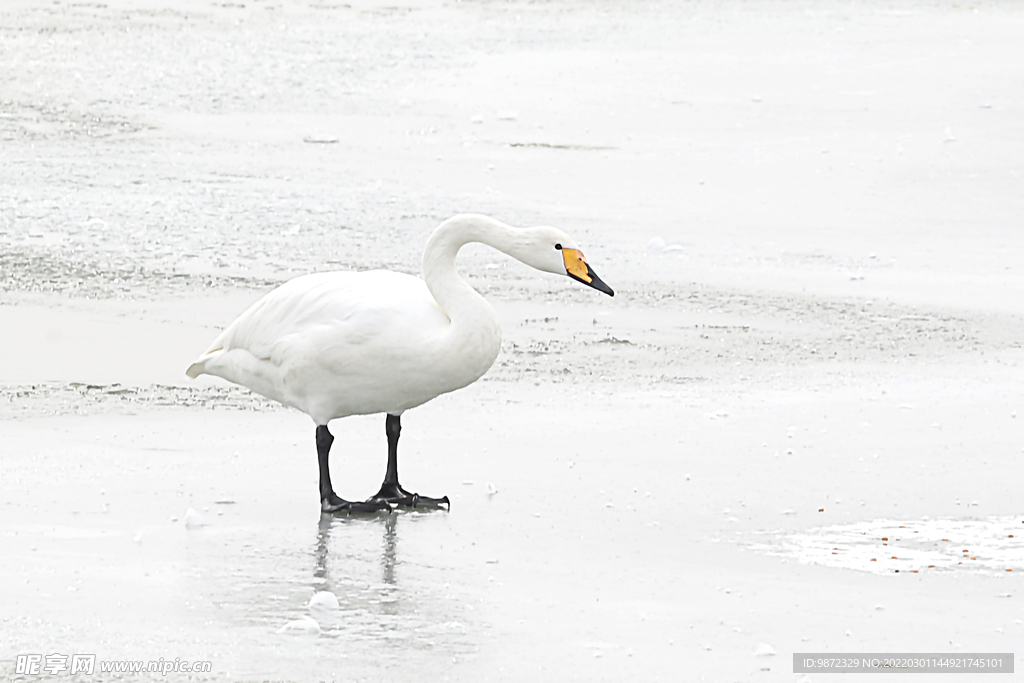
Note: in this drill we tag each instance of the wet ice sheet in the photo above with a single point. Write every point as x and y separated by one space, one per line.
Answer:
616 543
401 602
464 593
881 546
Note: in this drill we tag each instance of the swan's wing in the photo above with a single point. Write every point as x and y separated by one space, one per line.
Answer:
349 308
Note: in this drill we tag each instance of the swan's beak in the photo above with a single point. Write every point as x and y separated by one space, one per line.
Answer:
577 268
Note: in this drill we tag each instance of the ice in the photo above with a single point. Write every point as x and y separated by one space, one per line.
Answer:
324 600
301 626
193 519
764 650
656 244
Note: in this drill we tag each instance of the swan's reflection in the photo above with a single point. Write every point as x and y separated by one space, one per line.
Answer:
330 524
398 595
357 559
388 558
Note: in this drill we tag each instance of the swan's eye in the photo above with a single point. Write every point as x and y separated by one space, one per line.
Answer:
558 247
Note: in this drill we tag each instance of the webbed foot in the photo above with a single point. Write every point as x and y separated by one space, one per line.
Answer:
334 503
394 494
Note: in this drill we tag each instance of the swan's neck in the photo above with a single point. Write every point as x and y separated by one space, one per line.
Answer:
463 304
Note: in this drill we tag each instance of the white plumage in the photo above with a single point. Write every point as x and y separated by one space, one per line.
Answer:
356 343
339 344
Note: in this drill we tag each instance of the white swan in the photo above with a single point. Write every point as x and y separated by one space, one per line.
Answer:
356 343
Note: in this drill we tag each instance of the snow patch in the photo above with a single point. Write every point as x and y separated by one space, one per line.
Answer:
991 545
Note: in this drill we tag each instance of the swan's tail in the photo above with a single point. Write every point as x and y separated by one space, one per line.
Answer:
241 367
199 367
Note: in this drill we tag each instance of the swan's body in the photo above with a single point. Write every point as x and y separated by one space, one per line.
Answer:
339 344
355 343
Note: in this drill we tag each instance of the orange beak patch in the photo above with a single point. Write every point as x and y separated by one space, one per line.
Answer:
576 264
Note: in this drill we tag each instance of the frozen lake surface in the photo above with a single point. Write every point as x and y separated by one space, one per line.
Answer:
811 375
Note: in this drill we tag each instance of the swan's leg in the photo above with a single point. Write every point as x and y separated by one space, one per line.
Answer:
391 491
329 500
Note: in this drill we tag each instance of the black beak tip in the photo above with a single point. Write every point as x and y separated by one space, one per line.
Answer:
597 283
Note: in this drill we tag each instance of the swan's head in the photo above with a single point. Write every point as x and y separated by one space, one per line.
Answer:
551 250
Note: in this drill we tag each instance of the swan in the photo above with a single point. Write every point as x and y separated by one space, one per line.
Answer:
357 343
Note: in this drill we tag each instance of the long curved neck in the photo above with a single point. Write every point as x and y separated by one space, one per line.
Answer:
462 303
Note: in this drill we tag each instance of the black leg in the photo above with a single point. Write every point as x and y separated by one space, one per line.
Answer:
324 439
329 500
391 491
393 428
